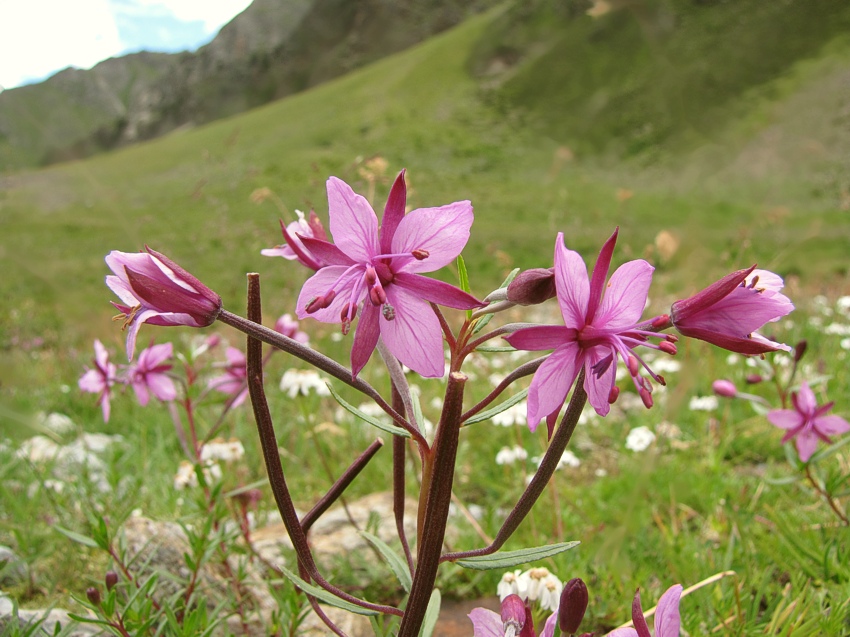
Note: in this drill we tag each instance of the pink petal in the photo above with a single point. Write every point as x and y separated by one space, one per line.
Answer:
625 296
141 389
486 623
240 397
552 382
742 311
831 425
101 356
122 290
326 252
550 626
667 618
805 401
365 338
807 442
156 355
623 632
541 337
414 336
133 330
437 291
785 418
442 232
162 387
393 213
353 223
92 381
571 283
741 344
599 389
235 357
320 283
105 406
600 274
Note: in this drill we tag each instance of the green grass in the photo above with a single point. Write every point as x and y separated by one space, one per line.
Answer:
763 185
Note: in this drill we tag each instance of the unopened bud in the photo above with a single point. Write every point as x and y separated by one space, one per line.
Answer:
93 595
531 287
574 600
800 350
111 579
753 379
724 388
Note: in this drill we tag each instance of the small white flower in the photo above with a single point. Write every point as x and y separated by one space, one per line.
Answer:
639 439
513 415
666 365
703 403
187 478
732 359
541 583
815 321
668 430
843 304
57 423
782 360
371 409
512 583
845 343
336 337
550 594
509 455
568 459
302 381
838 329
220 449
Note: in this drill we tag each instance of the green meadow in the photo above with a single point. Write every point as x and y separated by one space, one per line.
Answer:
709 157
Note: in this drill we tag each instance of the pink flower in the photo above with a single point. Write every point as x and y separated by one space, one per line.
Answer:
515 620
100 379
381 269
667 618
724 388
234 381
153 289
148 374
807 422
288 326
596 331
728 312
294 248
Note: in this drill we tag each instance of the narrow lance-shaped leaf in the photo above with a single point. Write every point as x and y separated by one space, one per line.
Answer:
325 596
396 431
396 563
463 275
498 409
431 614
509 559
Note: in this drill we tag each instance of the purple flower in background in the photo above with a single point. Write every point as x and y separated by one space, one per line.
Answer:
148 374
380 268
667 618
288 326
153 289
807 423
728 312
294 248
597 330
234 380
100 379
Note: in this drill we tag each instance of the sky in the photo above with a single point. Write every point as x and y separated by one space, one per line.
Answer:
40 37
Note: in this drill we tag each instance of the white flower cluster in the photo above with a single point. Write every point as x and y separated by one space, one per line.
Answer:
514 415
703 403
639 439
535 584
221 449
509 455
302 381
186 477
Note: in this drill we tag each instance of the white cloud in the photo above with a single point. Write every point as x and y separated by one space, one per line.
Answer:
40 37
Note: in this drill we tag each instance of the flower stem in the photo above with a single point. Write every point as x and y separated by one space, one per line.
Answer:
436 507
826 495
535 488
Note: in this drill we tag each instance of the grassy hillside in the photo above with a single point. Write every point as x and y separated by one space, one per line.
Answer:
767 188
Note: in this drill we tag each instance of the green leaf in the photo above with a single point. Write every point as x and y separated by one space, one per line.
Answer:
494 348
508 559
498 409
325 596
432 613
77 537
463 275
395 561
396 431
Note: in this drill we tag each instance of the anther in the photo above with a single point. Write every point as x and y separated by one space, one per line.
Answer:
634 366
661 321
666 346
646 397
346 325
419 254
388 311
613 395
377 295
371 275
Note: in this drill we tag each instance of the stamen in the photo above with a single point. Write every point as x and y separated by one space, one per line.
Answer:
420 254
371 276
668 347
613 395
346 325
634 366
646 397
388 312
661 320
128 318
377 295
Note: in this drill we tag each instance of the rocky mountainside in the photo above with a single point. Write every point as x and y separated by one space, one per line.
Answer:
273 49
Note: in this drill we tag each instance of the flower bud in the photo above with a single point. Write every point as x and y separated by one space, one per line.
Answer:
800 350
753 379
93 595
533 286
111 580
724 388
574 600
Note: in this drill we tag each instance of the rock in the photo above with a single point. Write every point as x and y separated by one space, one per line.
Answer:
24 619
13 570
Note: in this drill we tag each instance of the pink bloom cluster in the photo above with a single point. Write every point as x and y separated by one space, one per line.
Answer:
808 422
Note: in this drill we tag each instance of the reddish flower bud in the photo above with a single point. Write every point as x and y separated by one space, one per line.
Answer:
531 287
800 350
574 600
93 595
724 388
753 379
111 579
